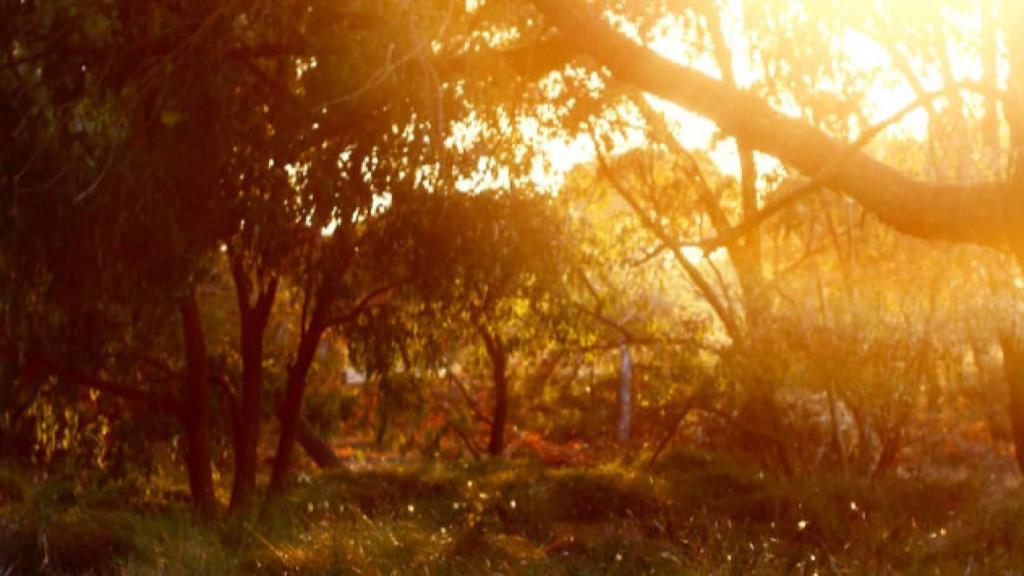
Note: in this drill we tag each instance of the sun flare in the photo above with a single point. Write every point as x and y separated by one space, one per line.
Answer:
864 52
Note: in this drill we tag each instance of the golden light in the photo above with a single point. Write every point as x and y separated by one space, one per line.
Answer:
883 98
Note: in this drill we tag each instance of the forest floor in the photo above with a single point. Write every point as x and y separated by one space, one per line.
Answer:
690 514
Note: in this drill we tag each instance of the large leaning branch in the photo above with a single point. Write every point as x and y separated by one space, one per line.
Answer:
958 212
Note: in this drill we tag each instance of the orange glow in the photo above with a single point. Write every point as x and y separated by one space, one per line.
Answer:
887 94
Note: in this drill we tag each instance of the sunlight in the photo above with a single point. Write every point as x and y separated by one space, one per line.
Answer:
884 97
559 157
442 287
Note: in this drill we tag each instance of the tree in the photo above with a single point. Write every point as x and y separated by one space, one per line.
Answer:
980 213
213 129
959 212
498 274
799 64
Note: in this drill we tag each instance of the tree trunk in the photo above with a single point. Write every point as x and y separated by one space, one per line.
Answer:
196 410
625 397
1011 338
990 73
247 435
291 411
837 432
318 450
292 426
764 434
383 407
499 367
1013 365
315 447
1014 110
496 446
746 257
253 325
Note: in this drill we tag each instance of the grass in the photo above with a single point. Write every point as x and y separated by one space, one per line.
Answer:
692 514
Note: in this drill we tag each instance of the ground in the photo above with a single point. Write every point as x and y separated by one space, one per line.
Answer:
690 514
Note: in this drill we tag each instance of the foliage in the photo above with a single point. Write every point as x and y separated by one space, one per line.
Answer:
405 235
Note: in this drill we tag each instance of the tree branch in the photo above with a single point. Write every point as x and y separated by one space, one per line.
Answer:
364 303
164 403
728 237
721 309
961 212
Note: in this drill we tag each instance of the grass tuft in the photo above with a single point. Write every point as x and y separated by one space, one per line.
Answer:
690 514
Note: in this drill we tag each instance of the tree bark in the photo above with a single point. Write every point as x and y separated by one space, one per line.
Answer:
383 408
291 411
990 71
746 257
1011 338
837 432
253 325
196 410
1014 111
968 213
1013 366
247 435
499 373
315 447
292 427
